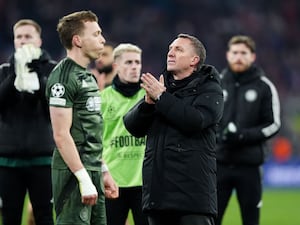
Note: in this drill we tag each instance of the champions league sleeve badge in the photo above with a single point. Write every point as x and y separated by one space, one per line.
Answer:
57 91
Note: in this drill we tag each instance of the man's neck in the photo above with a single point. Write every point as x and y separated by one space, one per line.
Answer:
182 74
77 56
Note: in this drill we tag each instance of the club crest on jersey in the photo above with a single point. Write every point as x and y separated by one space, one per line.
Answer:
93 103
57 90
251 95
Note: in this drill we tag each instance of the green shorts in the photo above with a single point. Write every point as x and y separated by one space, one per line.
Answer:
67 199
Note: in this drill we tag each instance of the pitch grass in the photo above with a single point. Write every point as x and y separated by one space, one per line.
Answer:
280 207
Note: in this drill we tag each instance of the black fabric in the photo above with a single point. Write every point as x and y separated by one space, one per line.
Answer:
14 184
179 218
129 199
179 169
246 181
251 116
173 85
25 128
128 89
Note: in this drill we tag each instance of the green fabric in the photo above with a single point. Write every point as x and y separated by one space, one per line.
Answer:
67 199
21 162
122 152
72 86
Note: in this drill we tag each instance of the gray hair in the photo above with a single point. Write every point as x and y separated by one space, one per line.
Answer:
198 46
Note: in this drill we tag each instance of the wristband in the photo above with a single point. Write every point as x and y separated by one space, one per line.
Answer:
104 168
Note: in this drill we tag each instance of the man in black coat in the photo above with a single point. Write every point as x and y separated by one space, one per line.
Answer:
179 116
26 140
251 116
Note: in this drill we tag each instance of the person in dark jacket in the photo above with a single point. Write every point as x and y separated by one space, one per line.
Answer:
251 116
26 141
179 115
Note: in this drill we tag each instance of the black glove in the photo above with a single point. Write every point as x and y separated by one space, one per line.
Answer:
232 135
36 65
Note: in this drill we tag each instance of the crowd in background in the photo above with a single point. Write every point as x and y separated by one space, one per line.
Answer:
150 24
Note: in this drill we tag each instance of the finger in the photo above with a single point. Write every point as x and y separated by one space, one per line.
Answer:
89 199
161 79
145 86
151 78
145 79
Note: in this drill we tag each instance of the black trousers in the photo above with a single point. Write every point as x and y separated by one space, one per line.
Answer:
247 182
177 218
15 182
129 199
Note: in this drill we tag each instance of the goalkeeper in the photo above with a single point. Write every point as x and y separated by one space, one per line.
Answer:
26 142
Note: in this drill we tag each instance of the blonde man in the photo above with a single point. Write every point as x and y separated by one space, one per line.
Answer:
121 151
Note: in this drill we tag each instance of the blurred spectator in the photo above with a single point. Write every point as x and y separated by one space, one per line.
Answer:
103 68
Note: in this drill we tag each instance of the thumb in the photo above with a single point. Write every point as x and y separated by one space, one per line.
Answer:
161 79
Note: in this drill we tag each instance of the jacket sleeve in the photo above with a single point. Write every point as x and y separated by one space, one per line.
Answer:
139 118
270 117
43 67
6 84
206 110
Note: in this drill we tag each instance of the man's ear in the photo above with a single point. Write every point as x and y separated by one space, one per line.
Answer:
76 41
253 57
195 60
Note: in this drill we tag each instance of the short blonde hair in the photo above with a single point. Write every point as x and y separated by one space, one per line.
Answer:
125 47
24 22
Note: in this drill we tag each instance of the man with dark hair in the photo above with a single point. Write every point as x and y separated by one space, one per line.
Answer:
103 68
74 101
251 117
26 140
179 115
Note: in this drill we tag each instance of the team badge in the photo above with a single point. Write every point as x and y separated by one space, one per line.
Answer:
84 214
251 95
57 90
93 104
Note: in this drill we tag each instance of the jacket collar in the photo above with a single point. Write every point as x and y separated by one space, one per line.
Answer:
195 79
252 73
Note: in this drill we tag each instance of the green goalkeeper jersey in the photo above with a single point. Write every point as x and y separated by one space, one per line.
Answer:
72 86
122 152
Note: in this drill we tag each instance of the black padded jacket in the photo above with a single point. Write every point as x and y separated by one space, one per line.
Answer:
179 170
251 102
25 128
